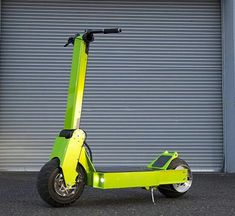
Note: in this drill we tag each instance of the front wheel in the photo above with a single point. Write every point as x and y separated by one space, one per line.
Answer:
51 186
176 190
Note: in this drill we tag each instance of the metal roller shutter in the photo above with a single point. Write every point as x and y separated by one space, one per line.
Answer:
154 87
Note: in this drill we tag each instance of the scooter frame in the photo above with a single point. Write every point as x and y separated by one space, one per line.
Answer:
69 145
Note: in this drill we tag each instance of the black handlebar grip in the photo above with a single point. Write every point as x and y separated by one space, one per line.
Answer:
112 30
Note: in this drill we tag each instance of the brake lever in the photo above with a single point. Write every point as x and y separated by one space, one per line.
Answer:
70 40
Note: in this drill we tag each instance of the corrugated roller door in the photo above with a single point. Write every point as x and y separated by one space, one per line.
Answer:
156 86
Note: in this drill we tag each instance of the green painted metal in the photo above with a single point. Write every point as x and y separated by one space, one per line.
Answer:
147 178
88 166
172 156
71 151
76 85
138 179
68 152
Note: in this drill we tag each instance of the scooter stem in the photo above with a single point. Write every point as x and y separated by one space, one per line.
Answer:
76 85
78 74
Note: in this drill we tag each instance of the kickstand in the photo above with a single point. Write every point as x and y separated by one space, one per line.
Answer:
152 195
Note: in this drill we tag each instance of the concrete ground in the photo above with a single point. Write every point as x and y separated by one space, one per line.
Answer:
211 194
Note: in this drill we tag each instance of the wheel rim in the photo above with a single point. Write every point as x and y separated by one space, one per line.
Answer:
61 189
183 187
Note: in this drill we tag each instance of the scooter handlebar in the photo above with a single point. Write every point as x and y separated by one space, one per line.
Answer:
88 36
104 31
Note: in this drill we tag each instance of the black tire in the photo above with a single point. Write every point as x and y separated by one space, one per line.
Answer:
48 182
171 189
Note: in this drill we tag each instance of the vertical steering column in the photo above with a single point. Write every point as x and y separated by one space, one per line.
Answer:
76 85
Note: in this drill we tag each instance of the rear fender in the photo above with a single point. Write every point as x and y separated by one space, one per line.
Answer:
163 161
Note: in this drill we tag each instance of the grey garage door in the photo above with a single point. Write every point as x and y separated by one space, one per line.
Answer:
154 87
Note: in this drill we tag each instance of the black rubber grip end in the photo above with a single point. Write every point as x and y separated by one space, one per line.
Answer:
112 30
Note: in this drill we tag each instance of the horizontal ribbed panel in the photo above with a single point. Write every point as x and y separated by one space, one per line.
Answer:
155 86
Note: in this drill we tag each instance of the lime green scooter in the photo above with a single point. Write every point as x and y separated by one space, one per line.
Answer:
61 180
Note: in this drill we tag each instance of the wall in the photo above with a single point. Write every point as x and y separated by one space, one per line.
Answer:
228 8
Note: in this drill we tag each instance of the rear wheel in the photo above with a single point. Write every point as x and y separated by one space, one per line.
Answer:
51 186
177 190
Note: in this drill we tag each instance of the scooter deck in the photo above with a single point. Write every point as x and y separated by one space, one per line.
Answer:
110 169
140 178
